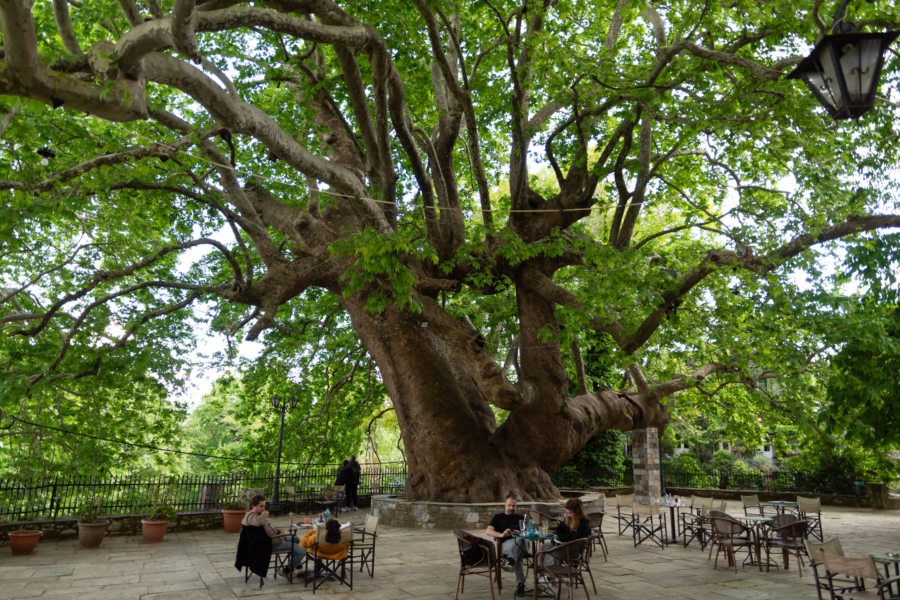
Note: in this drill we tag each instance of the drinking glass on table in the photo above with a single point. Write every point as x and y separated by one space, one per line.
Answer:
522 526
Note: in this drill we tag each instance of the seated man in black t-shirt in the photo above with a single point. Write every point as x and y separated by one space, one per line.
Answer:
503 526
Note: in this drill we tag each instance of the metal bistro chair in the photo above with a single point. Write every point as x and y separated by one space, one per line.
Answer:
596 539
729 536
541 513
787 532
624 512
565 566
861 568
810 509
476 557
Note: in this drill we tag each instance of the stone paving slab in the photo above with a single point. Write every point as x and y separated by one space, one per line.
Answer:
410 564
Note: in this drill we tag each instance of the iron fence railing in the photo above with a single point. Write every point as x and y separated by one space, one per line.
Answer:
569 477
760 481
52 497
57 496
776 481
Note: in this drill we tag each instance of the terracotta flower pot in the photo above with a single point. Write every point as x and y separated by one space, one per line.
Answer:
23 541
91 534
233 519
153 531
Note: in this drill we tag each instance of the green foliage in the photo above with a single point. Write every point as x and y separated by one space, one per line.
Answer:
840 466
600 462
89 510
722 459
161 508
685 461
863 389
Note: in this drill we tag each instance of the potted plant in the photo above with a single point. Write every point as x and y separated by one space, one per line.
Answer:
233 511
161 512
91 528
23 541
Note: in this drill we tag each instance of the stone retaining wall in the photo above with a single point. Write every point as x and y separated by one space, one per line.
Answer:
396 511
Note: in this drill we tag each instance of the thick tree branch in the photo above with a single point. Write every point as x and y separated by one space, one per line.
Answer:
183 18
64 26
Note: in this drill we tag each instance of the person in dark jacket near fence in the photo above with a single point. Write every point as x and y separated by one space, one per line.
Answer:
344 476
353 484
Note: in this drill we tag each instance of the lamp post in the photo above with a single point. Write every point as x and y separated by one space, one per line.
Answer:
279 403
843 69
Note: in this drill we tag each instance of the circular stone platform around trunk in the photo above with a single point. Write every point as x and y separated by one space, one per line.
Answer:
399 512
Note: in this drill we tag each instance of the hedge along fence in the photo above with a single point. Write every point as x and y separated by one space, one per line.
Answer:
721 479
60 496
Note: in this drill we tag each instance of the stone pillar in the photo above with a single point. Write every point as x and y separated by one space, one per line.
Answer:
645 454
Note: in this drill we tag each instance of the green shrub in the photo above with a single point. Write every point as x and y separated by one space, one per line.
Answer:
722 460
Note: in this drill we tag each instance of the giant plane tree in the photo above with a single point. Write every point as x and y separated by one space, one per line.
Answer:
481 189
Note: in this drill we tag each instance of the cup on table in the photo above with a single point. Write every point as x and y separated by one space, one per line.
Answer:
522 525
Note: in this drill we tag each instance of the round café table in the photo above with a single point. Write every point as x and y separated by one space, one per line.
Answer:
887 559
534 539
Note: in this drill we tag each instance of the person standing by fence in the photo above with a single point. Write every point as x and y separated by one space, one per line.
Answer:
353 484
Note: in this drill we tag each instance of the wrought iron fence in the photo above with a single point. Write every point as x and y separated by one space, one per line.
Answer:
569 477
755 480
52 497
775 481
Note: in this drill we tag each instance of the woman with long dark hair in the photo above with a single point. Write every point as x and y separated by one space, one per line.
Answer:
576 524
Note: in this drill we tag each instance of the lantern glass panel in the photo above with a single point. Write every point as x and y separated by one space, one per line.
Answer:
819 87
832 76
859 61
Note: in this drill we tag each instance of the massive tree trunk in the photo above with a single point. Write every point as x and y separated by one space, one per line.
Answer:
454 447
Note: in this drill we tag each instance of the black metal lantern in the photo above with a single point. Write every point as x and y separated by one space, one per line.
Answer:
844 68
843 71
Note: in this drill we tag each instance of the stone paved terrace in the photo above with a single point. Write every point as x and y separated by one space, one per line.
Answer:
411 564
